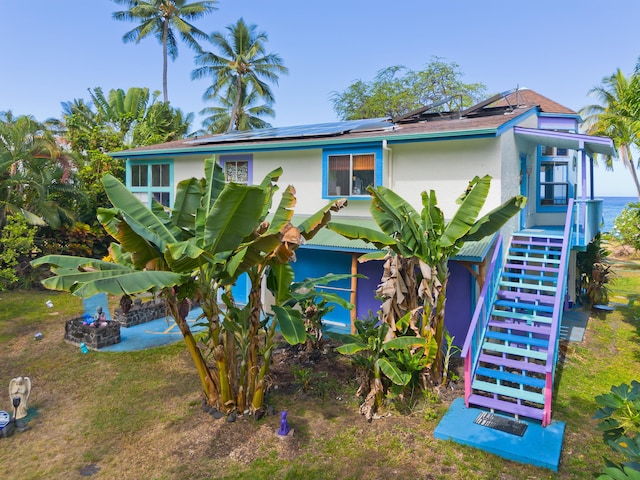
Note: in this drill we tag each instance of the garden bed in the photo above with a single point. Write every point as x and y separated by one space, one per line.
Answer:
140 312
77 331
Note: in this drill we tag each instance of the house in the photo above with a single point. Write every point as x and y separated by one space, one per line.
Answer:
528 143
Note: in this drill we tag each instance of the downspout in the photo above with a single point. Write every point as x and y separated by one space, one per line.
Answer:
389 162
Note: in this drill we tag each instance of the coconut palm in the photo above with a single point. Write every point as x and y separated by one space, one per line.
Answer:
617 116
248 117
243 62
161 18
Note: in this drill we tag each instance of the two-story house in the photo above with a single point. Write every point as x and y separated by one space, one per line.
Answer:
526 142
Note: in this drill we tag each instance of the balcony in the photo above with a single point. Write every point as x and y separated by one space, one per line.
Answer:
587 215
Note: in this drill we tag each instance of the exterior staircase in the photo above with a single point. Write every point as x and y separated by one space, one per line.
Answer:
511 349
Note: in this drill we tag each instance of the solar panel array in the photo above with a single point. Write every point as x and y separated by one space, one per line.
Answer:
300 131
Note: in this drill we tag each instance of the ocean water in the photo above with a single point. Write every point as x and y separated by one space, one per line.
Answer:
612 207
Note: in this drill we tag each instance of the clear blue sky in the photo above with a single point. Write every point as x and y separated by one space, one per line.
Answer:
53 51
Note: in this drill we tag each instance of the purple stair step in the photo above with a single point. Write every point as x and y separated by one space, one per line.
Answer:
526 298
531 268
510 363
552 279
507 407
528 241
541 329
518 339
536 251
523 317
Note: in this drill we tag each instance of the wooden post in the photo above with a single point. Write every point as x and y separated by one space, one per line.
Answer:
354 287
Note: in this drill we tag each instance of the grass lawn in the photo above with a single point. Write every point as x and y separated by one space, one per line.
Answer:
138 415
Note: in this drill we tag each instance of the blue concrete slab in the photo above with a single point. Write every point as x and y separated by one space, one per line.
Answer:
574 324
162 331
538 446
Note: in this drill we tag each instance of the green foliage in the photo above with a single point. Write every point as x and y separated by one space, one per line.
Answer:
626 226
619 421
77 240
593 274
397 90
450 351
215 233
416 247
312 303
16 250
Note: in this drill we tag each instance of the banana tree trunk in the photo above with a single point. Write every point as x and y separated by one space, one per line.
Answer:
179 311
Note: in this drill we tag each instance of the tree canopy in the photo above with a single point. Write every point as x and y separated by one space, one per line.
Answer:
397 90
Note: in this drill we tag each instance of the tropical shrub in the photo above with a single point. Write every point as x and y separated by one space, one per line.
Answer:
16 250
387 367
619 421
626 226
593 274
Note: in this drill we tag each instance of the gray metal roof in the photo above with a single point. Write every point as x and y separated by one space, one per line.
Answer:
328 239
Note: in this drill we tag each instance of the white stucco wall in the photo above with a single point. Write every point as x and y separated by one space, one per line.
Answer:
188 166
446 167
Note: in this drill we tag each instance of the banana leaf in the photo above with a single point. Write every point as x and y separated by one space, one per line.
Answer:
291 324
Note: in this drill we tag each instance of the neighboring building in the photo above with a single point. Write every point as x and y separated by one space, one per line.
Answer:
526 142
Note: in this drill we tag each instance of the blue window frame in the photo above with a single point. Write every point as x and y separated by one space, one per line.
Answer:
238 168
347 172
151 180
554 187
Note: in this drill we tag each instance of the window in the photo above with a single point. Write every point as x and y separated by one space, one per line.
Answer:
554 183
547 151
350 174
237 168
151 180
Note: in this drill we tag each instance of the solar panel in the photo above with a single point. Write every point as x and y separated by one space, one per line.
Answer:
315 130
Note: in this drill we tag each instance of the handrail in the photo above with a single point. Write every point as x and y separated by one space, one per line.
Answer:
558 304
470 349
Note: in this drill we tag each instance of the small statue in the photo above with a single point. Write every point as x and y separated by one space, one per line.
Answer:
284 424
19 390
100 318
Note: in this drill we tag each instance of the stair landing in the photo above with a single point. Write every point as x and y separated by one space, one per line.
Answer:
538 446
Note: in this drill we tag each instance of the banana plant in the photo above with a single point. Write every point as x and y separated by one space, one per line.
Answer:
416 248
214 233
397 359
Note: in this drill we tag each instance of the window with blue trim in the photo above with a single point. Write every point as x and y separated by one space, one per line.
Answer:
151 180
553 180
347 172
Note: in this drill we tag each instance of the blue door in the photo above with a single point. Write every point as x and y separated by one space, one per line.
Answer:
312 263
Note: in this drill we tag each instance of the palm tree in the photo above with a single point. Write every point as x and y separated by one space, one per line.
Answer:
33 172
248 117
243 63
159 18
617 116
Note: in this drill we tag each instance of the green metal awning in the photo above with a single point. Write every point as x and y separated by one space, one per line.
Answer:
327 239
